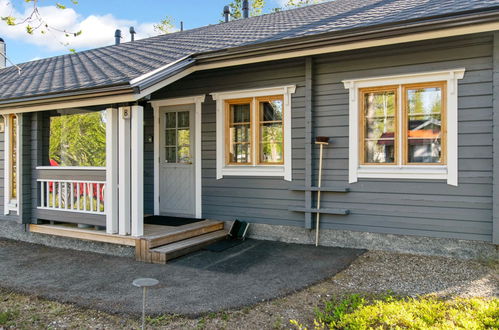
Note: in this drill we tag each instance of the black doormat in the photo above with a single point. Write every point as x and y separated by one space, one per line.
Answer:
169 221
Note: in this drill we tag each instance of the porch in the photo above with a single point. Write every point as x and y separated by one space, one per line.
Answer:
158 244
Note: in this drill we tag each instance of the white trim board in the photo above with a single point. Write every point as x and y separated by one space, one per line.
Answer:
197 101
448 172
285 170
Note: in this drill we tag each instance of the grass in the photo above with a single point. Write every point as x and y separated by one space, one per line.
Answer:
390 312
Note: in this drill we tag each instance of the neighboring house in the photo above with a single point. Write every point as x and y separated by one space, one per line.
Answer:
219 122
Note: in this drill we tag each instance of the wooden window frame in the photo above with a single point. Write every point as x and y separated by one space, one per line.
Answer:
400 125
443 130
228 123
362 123
254 130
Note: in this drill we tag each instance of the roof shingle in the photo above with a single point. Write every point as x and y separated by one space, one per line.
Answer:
113 65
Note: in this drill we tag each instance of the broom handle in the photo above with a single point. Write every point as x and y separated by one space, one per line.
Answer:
318 198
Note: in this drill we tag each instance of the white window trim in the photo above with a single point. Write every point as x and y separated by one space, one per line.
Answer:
197 100
9 203
447 172
285 170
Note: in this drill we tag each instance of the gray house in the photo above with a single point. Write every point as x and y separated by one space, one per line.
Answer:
220 123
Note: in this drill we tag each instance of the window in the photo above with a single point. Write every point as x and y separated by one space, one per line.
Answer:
263 115
254 132
404 126
421 135
77 138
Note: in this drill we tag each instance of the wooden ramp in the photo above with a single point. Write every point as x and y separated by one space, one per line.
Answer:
174 242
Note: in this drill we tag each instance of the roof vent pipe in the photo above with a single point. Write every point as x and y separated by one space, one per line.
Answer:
132 33
117 37
3 54
245 8
226 13
181 25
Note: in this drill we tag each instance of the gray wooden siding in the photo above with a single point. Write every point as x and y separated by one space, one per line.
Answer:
421 207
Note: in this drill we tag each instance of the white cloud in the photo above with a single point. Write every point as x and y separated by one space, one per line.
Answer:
97 30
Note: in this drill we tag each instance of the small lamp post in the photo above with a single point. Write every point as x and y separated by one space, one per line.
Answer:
144 283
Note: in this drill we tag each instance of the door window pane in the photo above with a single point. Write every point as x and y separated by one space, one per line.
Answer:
171 120
379 126
171 155
183 119
424 125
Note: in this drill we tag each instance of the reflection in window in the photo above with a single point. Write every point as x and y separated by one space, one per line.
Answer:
424 125
379 126
78 138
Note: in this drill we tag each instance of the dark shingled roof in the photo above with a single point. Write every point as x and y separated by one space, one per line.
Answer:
116 65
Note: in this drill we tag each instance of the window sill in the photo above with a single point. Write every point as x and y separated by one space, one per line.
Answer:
430 172
256 170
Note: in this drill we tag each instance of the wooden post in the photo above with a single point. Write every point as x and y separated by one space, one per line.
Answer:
124 171
137 167
111 200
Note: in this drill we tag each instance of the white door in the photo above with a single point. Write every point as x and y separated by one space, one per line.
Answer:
176 170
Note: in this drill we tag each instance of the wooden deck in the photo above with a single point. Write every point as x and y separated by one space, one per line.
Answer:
158 244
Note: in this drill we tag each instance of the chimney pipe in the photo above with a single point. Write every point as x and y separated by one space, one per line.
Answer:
181 25
117 37
226 13
3 54
245 8
132 33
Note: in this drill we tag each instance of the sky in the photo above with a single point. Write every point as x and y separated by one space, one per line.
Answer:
98 19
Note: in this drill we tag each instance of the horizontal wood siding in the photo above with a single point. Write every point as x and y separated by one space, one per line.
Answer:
430 208
422 207
255 199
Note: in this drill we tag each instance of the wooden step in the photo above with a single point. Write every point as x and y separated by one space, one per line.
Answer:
175 234
166 252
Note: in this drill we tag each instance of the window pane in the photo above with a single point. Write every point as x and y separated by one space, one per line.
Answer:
184 137
184 154
424 126
240 133
170 120
271 132
379 127
170 155
170 137
240 113
271 111
77 138
379 151
240 153
183 119
271 152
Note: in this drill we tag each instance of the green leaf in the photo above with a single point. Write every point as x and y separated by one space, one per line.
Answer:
29 29
72 50
75 2
78 33
60 6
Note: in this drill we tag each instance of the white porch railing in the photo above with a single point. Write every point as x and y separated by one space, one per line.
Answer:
72 195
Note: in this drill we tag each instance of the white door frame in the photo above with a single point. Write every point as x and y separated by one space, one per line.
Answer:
197 101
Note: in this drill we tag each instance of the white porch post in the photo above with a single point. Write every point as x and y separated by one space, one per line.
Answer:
124 171
137 178
6 167
112 169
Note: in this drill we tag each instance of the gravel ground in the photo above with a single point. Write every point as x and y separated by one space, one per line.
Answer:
374 272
